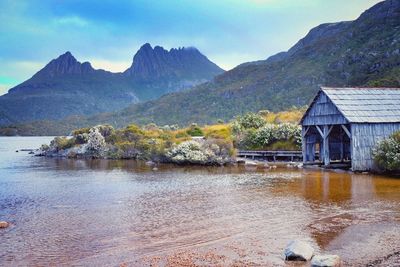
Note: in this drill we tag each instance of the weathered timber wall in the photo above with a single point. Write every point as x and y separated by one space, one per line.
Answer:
364 138
323 112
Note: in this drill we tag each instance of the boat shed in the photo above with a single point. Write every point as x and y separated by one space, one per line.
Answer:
345 124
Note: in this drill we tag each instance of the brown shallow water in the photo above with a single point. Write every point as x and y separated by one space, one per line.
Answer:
95 213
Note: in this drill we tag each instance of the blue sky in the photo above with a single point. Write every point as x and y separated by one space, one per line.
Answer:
108 33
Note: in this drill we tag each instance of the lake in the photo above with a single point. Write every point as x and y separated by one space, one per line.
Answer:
99 212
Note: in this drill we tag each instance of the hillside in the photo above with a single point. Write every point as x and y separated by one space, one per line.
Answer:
356 53
363 52
66 87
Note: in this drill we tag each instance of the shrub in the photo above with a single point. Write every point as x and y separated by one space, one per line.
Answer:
387 153
96 143
80 131
269 134
195 130
61 143
207 153
105 130
81 138
251 120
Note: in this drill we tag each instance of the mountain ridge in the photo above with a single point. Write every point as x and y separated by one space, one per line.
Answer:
363 52
66 87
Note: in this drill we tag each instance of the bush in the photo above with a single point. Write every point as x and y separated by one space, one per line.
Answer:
387 153
207 153
195 130
80 131
250 120
96 143
61 143
289 135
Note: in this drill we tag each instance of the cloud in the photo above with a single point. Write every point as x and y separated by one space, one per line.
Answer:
113 66
71 21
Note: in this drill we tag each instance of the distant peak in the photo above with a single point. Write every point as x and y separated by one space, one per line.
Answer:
146 46
158 62
67 54
66 64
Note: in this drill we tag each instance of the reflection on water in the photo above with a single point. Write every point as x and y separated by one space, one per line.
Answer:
90 212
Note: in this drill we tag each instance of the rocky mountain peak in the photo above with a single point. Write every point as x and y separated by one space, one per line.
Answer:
158 62
65 64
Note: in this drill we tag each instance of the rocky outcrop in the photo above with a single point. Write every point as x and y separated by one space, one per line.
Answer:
298 251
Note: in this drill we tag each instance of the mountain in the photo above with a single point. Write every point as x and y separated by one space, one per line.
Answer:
363 52
66 87
157 71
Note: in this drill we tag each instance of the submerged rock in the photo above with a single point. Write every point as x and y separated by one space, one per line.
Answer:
326 261
4 224
298 251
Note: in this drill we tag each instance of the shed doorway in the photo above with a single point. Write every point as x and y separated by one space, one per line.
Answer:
338 142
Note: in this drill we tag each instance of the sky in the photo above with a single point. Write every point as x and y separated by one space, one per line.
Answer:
107 33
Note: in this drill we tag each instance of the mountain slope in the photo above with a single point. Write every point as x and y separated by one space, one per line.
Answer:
66 87
364 52
356 53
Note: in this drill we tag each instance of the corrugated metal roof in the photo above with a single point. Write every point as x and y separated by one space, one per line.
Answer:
371 105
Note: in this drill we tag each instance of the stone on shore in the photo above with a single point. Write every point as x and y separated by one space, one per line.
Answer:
326 261
298 251
250 164
4 224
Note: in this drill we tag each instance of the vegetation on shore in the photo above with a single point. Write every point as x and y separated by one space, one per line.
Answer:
206 145
387 153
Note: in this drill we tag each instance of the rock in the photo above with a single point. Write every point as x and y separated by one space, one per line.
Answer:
300 165
155 169
240 161
4 224
298 251
273 166
250 164
16 151
326 261
31 153
150 163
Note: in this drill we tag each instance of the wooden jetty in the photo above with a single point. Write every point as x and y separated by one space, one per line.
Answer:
271 155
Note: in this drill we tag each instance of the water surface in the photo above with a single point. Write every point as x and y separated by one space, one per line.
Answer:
99 212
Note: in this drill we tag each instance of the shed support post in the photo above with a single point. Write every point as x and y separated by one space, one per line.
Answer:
341 148
326 155
304 143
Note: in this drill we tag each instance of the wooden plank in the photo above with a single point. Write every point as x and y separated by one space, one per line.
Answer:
320 131
346 130
326 155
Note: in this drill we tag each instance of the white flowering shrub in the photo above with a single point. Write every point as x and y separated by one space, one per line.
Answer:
206 153
387 153
269 134
265 135
96 143
250 120
189 151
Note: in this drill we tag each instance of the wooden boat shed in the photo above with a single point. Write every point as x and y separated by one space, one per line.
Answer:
345 124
